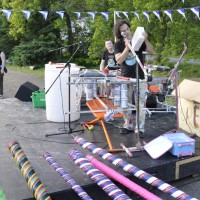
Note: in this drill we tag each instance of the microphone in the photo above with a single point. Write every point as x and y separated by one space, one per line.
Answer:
123 34
83 47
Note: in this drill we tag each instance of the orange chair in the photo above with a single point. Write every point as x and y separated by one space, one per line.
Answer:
95 105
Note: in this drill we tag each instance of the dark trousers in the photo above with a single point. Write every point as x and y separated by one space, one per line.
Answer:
1 83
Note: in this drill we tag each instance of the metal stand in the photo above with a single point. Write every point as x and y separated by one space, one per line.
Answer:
137 102
70 130
170 108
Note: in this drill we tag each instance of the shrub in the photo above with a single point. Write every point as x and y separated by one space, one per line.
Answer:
33 53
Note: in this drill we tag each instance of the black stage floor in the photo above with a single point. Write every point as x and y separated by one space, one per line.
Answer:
28 126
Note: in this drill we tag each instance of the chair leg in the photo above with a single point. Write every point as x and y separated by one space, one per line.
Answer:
107 135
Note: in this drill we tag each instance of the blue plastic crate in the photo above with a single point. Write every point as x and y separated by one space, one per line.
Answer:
183 145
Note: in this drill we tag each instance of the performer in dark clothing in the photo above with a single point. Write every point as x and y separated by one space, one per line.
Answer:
108 57
127 60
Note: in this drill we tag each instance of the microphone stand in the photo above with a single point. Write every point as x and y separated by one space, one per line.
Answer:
70 130
174 74
148 78
137 101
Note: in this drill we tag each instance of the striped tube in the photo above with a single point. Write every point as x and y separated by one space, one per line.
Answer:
121 179
81 193
34 183
98 177
148 178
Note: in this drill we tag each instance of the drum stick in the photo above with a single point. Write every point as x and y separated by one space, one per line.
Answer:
102 103
126 150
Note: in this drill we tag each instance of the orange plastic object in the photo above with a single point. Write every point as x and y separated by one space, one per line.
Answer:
154 88
96 105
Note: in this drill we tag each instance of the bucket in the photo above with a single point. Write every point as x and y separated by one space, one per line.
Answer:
57 98
116 92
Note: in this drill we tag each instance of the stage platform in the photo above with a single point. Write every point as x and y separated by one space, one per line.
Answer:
27 125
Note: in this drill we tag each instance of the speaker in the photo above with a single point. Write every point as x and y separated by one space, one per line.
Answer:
24 93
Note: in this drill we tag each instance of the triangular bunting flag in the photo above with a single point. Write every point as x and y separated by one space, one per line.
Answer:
168 13
157 14
26 14
117 13
182 12
195 11
146 14
60 13
126 15
78 14
105 14
183 1
7 13
92 14
136 14
44 14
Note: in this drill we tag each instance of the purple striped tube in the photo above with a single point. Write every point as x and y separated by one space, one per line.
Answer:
148 178
98 177
123 180
81 193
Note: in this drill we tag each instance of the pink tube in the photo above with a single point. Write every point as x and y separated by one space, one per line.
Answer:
121 179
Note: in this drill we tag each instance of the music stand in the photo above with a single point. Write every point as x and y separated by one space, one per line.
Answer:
70 130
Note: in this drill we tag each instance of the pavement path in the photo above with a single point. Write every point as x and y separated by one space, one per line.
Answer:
14 79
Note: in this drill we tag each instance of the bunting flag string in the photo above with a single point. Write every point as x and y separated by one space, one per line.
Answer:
168 13
195 11
105 14
44 14
146 14
7 13
60 13
92 14
182 12
137 15
26 14
119 14
126 15
157 14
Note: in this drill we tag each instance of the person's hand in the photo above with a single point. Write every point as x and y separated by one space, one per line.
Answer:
2 71
127 43
144 34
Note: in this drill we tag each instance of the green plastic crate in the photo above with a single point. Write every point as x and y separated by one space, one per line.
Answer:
38 99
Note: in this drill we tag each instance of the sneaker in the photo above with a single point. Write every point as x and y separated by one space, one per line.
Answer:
125 131
1 96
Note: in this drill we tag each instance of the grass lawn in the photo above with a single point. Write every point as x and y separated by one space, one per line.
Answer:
2 195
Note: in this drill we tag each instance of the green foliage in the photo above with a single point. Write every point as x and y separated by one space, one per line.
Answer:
168 37
2 194
6 41
33 53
